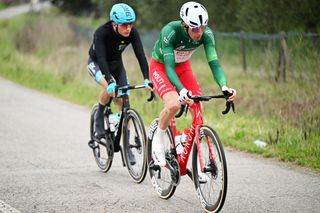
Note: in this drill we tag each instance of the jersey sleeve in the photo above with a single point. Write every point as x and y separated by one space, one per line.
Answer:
101 53
139 52
168 35
212 57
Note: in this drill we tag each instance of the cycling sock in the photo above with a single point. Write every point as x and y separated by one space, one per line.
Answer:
160 133
101 108
98 121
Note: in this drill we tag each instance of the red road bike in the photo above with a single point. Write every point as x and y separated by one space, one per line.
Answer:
209 167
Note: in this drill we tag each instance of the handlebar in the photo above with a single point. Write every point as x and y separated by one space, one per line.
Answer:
125 88
197 99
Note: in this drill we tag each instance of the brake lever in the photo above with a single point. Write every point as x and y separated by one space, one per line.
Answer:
233 107
186 110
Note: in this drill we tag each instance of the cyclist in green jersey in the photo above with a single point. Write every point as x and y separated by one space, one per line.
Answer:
170 69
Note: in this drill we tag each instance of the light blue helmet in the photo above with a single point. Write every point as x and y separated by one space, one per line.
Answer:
122 13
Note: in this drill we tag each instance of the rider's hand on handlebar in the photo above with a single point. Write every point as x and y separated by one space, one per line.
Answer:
184 96
148 84
229 92
111 89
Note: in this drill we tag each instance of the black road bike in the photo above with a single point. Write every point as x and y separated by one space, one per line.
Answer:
131 128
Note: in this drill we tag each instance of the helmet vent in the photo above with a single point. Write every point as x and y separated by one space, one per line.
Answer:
200 18
116 17
187 11
195 6
193 23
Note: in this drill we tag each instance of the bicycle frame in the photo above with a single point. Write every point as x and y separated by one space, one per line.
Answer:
125 106
194 132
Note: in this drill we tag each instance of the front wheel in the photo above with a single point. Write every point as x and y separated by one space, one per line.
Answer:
134 145
102 150
211 183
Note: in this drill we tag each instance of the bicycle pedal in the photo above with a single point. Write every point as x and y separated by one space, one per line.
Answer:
91 145
202 178
154 166
174 168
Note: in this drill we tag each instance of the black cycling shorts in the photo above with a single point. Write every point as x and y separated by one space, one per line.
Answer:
117 71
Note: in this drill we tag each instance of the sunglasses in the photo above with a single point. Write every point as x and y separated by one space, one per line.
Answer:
126 25
198 29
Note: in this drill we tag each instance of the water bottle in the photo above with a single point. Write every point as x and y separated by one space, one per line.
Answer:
180 141
117 120
114 121
179 146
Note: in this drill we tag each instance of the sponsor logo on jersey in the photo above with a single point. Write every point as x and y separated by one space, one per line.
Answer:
122 47
181 47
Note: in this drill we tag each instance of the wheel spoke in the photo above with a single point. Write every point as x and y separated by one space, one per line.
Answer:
212 190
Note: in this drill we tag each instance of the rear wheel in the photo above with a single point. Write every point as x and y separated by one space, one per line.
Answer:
211 184
102 149
161 178
134 145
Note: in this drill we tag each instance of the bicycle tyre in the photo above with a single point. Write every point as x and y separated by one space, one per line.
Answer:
163 187
211 201
134 138
103 155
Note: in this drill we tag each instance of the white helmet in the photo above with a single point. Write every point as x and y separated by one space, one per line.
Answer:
194 14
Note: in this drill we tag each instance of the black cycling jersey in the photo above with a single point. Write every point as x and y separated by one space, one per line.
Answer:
108 45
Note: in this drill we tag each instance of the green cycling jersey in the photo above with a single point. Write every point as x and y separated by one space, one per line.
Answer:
175 46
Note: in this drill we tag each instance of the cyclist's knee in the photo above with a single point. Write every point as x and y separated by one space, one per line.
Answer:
173 107
171 102
104 97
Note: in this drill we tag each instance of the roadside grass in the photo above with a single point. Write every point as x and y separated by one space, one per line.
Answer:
284 115
89 22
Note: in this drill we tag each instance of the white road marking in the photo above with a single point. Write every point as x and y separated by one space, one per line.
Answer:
4 207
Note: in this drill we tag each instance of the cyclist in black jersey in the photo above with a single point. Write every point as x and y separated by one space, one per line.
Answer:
105 62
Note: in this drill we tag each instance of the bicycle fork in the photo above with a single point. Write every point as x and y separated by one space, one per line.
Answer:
211 166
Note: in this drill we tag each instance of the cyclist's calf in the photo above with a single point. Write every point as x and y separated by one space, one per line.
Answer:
172 106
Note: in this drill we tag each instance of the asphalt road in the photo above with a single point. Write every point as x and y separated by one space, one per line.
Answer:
46 166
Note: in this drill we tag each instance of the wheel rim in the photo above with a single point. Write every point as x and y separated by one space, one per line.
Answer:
211 188
103 154
135 147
